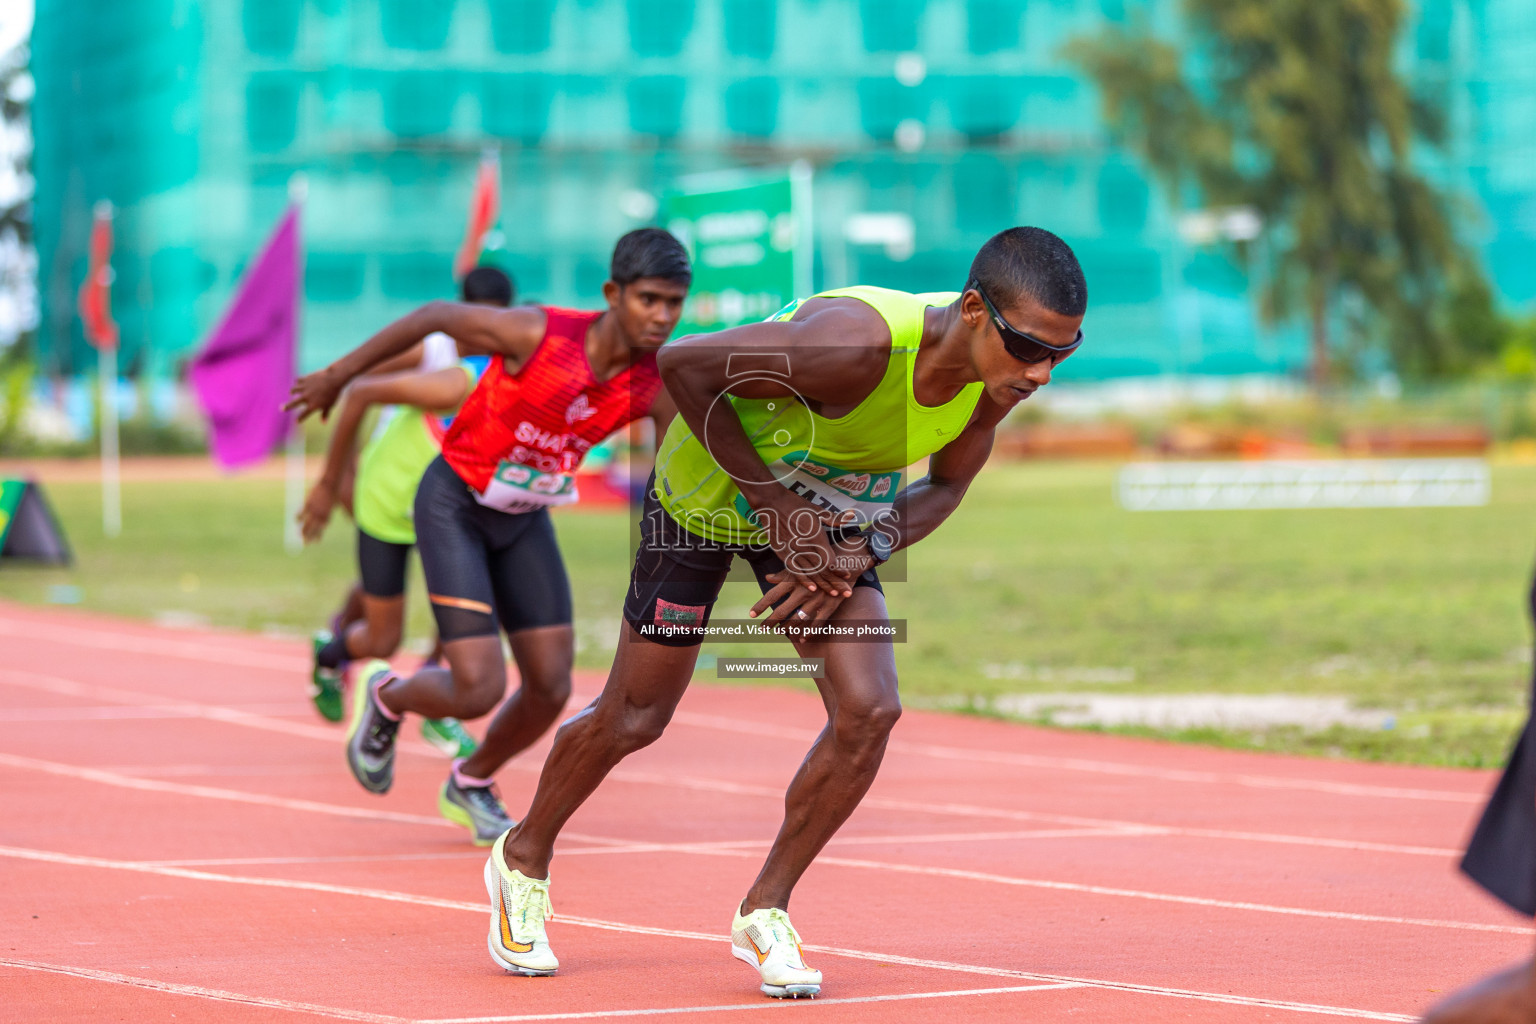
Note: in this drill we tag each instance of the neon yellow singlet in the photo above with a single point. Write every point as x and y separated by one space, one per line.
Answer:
389 471
853 462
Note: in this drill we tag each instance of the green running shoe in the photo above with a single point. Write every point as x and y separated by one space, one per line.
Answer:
324 683
449 736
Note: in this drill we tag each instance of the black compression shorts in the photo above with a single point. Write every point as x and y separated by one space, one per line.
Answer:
677 575
381 565
482 565
1502 854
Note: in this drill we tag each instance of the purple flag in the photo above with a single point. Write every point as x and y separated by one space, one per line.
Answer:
243 373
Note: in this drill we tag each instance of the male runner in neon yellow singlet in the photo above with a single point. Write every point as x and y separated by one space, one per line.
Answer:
791 433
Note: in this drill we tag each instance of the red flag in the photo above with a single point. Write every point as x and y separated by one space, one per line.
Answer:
95 299
483 210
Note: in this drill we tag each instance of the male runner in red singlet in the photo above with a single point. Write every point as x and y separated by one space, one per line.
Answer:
564 381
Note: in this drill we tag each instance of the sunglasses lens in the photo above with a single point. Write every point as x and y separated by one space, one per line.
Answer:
1025 350
1024 347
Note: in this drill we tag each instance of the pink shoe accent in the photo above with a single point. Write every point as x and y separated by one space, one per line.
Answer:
461 780
383 710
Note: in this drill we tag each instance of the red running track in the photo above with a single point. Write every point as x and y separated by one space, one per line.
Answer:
179 837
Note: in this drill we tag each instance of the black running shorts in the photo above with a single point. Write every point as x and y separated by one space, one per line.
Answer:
678 575
1502 854
483 566
381 564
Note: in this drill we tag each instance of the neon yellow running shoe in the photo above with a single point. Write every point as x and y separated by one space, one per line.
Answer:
765 939
477 808
519 908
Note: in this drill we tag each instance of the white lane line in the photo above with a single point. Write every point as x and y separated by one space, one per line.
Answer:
1163 897
107 778
330 734
197 991
203 771
630 846
622 848
359 858
761 1005
50 857
973 811
740 850
760 845
727 724
1371 792
102 640
122 712
84 636
216 793
983 837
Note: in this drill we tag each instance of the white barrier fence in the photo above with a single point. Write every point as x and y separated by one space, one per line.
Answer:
1339 483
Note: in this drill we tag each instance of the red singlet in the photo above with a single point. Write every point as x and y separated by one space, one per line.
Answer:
519 437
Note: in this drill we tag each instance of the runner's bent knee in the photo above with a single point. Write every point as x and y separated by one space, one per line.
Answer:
863 727
551 687
633 725
383 639
480 689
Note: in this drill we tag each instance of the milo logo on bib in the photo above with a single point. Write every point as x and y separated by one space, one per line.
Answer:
865 492
518 488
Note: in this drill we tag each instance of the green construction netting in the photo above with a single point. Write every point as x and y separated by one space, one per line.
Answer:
192 116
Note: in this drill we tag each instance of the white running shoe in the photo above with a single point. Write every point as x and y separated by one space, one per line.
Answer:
519 908
765 939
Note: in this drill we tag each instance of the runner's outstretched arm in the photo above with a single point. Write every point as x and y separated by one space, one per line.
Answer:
410 359
437 391
510 333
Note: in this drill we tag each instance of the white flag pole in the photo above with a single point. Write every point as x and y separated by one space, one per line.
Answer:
111 469
106 382
293 496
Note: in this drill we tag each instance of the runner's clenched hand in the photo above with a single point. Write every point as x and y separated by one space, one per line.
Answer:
315 392
791 601
316 512
797 532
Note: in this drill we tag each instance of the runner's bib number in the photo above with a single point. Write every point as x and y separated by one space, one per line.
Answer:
519 488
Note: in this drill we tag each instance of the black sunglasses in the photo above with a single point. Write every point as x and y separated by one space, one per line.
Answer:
1026 348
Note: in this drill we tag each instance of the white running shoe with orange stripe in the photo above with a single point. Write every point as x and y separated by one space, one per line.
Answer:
519 908
765 940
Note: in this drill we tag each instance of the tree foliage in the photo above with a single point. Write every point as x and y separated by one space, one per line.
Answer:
1295 109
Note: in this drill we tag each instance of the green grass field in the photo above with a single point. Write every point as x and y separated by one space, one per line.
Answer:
1040 584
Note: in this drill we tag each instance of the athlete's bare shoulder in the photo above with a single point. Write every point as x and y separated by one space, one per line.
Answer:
488 330
843 346
842 321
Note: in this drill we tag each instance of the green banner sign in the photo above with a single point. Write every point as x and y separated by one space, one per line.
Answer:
28 528
750 240
10 500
